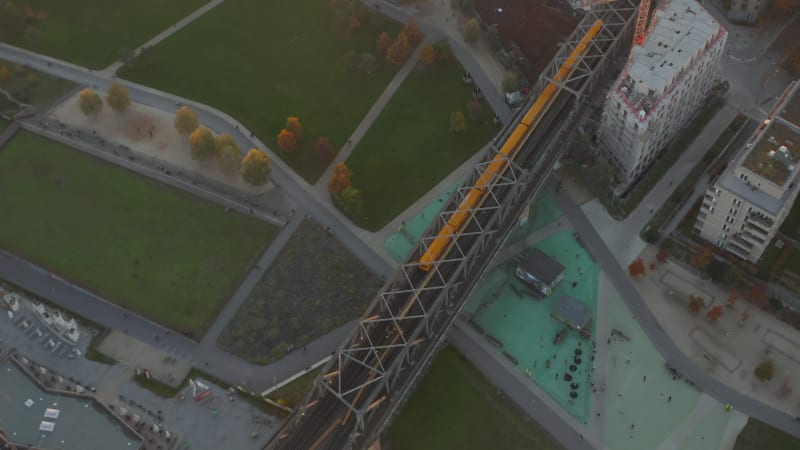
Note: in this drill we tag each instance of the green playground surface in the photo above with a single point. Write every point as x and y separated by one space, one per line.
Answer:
505 310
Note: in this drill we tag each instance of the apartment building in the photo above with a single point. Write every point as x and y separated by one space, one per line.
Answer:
746 205
665 82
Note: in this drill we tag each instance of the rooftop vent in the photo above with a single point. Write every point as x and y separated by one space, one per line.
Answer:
771 153
783 149
772 140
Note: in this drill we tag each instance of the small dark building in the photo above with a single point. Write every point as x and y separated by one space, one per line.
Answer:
540 271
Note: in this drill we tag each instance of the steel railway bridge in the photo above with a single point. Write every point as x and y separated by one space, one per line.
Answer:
368 379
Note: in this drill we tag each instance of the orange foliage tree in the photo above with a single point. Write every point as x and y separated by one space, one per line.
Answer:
399 51
637 268
428 54
340 179
293 125
286 140
714 313
384 42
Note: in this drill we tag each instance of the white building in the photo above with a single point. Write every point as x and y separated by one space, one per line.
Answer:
744 208
663 85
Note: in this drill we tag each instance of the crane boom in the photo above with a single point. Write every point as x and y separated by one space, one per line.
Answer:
641 22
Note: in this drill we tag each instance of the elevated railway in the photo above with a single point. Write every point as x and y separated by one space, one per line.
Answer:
371 374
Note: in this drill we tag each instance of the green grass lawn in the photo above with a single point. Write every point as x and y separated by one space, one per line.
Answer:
151 248
757 435
93 33
410 148
455 407
28 86
262 61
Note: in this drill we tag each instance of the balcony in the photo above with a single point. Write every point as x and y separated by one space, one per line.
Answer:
765 221
737 250
752 237
738 240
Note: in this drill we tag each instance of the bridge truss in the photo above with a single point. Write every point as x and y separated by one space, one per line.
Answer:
371 374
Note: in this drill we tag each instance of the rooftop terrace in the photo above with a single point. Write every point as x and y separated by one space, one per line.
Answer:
776 154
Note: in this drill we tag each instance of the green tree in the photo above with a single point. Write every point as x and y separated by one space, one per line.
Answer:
202 144
230 159
118 98
766 370
472 31
228 152
510 81
350 200
186 120
443 50
90 102
255 167
5 74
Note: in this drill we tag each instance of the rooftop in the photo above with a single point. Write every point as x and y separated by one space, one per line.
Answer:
541 266
31 416
776 154
572 311
680 30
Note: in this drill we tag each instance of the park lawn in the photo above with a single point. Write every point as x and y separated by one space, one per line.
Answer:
262 61
455 407
94 33
757 435
28 86
410 148
148 247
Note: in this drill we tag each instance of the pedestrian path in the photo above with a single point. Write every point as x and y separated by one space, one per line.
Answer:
372 115
113 68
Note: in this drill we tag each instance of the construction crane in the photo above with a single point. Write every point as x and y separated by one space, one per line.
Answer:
641 22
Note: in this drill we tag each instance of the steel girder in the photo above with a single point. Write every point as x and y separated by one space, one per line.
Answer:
410 321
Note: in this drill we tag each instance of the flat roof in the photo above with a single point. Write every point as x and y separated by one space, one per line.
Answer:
680 30
573 311
776 155
80 422
541 265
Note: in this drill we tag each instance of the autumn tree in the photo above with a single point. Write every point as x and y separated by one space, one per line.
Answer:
384 42
510 81
117 97
230 157
90 102
5 74
696 304
458 122
340 179
367 63
412 31
428 54
443 50
714 313
703 258
324 149
286 140
186 120
202 144
637 268
399 51
472 30
766 370
293 124
745 316
255 167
